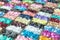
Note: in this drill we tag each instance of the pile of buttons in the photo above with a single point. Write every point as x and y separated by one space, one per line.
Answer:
29 19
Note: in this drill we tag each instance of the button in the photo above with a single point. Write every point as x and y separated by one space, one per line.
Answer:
1 13
29 13
51 5
19 24
20 8
41 1
13 28
28 1
25 16
57 11
47 10
46 33
44 38
57 30
12 15
35 7
49 28
53 1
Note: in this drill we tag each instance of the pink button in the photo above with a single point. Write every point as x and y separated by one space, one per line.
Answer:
46 33
22 38
12 15
29 13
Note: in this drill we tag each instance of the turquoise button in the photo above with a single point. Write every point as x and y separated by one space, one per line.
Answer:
41 1
55 16
1 37
5 37
20 8
5 20
8 21
9 38
58 17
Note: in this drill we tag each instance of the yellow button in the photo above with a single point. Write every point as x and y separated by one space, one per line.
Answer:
39 21
22 20
44 38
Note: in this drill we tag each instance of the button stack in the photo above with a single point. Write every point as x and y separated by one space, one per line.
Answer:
29 19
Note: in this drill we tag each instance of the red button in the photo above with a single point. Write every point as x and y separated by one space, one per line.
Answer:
54 20
3 25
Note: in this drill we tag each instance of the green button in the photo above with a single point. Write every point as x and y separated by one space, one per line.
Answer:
58 5
29 1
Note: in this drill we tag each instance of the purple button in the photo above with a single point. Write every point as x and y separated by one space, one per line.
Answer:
44 18
38 16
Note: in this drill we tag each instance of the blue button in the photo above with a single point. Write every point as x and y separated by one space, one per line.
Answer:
57 30
49 28
40 1
1 13
20 8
